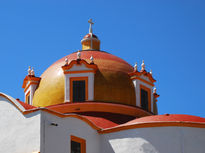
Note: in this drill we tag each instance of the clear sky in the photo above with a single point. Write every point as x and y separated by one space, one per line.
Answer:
169 35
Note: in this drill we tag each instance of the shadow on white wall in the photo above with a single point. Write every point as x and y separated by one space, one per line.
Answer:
132 145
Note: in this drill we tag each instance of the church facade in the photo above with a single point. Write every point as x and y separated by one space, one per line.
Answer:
94 102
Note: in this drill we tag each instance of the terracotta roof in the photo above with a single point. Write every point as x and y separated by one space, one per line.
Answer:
106 120
159 121
26 106
109 120
168 118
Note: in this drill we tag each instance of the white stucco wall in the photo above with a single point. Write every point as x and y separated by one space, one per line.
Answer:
18 133
140 140
57 138
155 140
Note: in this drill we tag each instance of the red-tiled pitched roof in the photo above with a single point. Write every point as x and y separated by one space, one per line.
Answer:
26 106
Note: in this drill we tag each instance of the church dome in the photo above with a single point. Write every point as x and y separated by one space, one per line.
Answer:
91 77
112 83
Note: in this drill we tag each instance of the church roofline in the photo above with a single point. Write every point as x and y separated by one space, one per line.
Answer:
109 126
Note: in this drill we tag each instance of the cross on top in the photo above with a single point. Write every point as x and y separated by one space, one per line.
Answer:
91 23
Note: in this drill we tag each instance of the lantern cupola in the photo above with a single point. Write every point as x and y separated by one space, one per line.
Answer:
90 41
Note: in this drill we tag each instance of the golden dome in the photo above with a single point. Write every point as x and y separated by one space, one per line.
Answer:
111 84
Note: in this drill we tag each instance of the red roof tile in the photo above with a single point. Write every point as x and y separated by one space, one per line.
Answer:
106 120
168 118
26 106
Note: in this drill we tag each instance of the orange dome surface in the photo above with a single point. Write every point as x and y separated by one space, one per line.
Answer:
112 83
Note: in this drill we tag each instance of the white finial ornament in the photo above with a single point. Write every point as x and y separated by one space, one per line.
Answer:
142 66
150 72
155 90
135 66
92 59
78 55
32 72
91 23
66 61
29 70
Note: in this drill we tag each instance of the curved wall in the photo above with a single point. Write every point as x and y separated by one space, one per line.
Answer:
155 140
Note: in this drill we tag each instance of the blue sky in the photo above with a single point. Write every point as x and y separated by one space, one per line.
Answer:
168 35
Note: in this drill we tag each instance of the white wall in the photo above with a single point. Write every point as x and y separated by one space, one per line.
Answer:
140 140
155 140
18 133
57 138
